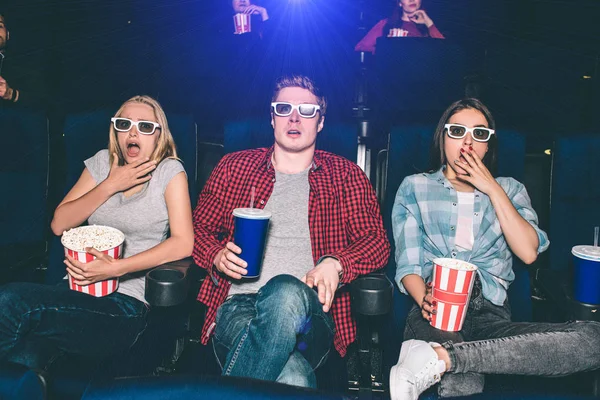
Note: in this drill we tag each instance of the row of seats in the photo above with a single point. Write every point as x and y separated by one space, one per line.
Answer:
407 153
168 327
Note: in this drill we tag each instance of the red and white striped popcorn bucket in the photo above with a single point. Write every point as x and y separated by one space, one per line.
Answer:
97 289
242 23
102 288
452 284
398 32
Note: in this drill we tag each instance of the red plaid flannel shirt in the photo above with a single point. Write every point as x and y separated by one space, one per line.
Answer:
343 214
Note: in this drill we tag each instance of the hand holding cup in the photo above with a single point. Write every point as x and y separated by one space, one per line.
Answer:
228 262
428 304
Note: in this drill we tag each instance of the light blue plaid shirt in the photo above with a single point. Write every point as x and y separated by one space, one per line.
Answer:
424 223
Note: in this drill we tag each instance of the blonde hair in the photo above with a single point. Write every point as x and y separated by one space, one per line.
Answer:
165 145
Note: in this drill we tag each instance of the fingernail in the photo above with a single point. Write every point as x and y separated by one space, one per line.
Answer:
462 150
434 303
434 312
471 148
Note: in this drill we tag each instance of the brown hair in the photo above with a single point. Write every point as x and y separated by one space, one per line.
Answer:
438 156
303 82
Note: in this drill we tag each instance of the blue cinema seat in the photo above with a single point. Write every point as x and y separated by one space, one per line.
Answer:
20 383
340 139
24 182
198 387
575 196
408 153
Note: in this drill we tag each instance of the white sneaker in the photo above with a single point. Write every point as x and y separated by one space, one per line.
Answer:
418 368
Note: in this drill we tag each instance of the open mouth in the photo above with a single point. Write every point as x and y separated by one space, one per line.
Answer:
133 149
294 133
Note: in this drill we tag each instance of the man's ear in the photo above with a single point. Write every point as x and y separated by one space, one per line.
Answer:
272 120
320 125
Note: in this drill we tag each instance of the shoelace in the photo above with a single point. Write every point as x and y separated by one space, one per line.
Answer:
426 376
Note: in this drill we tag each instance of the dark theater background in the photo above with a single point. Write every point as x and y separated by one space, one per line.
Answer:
535 63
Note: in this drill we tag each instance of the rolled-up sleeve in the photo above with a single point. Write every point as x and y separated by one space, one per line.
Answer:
520 199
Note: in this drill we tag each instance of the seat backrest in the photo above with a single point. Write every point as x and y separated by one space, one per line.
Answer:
209 155
24 179
575 196
413 74
408 154
87 133
340 139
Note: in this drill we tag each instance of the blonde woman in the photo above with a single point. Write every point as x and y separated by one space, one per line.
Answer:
137 186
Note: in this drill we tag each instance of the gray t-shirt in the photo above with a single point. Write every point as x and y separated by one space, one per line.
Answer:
142 217
288 249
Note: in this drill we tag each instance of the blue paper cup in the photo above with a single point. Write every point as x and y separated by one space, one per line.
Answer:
250 234
586 274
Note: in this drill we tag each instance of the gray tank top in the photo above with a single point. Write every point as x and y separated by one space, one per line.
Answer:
142 217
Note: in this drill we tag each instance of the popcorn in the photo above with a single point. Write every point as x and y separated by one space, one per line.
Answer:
455 264
99 237
104 239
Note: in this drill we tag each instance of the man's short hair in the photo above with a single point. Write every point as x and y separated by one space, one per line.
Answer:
303 82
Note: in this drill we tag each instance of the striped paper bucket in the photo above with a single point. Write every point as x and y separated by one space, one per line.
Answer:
242 23
97 289
452 284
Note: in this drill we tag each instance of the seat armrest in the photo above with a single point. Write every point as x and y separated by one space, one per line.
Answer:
372 294
168 284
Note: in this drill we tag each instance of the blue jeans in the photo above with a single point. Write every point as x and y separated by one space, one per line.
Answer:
39 323
490 343
278 334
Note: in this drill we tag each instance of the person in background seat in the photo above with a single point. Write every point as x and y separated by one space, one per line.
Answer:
19 85
407 20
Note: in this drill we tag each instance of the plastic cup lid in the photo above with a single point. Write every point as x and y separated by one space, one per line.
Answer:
251 213
590 253
455 264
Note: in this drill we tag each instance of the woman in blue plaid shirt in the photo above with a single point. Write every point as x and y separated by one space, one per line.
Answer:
461 211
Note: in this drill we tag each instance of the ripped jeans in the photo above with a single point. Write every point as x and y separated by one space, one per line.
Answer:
490 343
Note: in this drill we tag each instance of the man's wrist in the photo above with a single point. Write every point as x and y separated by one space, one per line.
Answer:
338 266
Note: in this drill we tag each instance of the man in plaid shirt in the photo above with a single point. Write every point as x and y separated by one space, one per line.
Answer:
325 231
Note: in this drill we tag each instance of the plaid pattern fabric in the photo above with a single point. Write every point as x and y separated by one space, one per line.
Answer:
344 220
424 221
